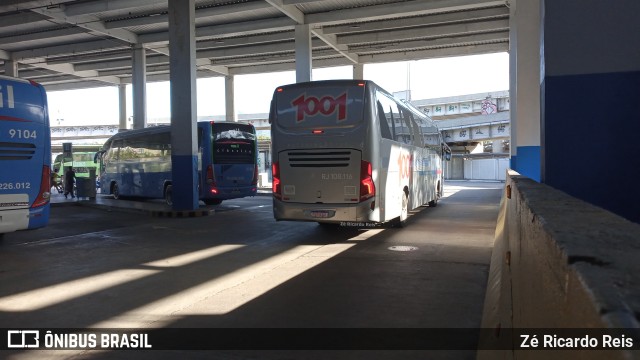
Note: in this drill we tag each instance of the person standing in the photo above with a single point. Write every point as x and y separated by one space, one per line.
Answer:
69 180
55 181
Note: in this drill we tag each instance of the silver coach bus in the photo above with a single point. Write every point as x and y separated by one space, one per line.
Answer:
347 152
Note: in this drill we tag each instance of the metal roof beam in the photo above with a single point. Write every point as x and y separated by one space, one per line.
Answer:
290 10
216 11
165 77
295 2
92 7
17 5
255 50
427 32
463 40
48 34
88 22
421 21
86 84
246 40
22 18
332 41
201 62
124 66
299 17
272 58
437 53
233 29
79 48
70 70
408 8
288 66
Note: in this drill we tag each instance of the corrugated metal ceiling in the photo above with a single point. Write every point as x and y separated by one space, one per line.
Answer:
93 38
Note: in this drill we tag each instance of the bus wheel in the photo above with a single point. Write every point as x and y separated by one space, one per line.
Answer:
115 191
168 195
434 202
212 201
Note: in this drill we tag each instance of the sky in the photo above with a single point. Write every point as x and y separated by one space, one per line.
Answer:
427 79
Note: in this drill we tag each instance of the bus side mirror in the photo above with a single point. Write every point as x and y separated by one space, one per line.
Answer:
97 156
447 156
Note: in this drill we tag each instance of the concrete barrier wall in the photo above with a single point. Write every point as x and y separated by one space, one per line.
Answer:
559 262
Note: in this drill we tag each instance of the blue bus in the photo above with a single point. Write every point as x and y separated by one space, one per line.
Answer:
137 163
25 155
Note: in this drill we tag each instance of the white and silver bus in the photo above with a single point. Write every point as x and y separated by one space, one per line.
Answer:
347 152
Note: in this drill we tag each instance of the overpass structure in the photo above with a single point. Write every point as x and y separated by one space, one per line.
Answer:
465 122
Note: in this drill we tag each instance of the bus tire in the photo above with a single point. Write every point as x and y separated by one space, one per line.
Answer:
404 212
115 191
168 195
212 201
434 202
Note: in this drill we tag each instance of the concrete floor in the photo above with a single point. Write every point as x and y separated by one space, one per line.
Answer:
117 267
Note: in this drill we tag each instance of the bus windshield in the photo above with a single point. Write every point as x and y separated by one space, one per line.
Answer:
328 105
233 143
82 163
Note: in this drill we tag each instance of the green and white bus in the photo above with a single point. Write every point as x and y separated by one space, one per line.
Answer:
82 163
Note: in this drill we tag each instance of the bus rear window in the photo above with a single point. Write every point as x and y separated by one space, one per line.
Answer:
300 108
233 143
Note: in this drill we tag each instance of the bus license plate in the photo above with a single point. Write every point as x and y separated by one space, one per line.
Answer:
320 214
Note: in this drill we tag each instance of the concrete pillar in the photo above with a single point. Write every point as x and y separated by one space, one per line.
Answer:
358 72
122 106
525 110
496 147
303 53
184 152
139 86
229 98
590 86
513 88
11 68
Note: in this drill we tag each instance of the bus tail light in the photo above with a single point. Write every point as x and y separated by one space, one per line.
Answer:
276 187
367 187
45 187
211 180
254 181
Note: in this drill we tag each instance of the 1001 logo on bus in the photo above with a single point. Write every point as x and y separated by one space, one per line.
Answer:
326 105
405 164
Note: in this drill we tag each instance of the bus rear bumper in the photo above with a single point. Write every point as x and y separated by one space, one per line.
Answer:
39 217
226 193
326 213
12 220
